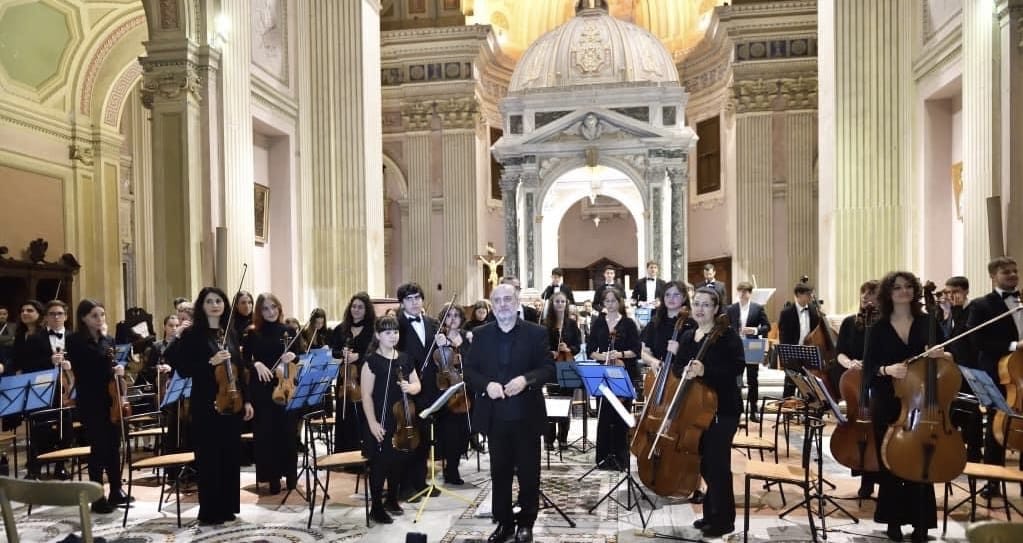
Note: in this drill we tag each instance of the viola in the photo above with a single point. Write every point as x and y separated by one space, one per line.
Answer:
287 373
922 445
1006 429
449 374
229 399
352 386
120 407
406 436
854 443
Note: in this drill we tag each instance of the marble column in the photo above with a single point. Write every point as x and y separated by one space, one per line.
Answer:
459 122
754 252
865 143
509 196
1010 18
801 200
142 177
340 116
530 270
679 178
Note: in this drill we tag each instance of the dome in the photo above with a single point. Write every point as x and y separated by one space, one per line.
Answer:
593 48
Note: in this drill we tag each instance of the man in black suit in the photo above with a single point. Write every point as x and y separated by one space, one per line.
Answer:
648 290
416 331
609 282
526 312
708 281
795 322
964 414
505 370
749 319
996 340
558 285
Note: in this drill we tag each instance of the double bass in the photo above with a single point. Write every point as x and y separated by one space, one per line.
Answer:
854 444
822 337
922 445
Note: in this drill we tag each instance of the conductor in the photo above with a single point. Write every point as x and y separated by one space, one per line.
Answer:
505 370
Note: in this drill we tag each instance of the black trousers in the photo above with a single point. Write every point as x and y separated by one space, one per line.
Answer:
414 478
217 441
612 436
515 451
716 469
105 456
452 441
348 428
967 418
386 465
899 501
752 386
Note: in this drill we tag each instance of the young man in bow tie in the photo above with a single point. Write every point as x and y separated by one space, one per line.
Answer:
795 322
45 438
997 340
709 280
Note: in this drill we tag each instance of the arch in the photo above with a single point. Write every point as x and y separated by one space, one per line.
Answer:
394 179
566 165
108 57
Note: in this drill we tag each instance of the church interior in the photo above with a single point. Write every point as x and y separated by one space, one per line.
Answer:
315 149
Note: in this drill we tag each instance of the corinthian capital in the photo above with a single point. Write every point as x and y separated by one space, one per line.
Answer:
169 82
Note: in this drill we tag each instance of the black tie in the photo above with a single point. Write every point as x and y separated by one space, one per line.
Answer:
414 319
1013 294
59 335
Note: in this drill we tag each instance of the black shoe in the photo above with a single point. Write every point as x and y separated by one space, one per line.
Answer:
700 523
754 419
718 531
991 490
275 487
524 534
894 532
290 483
120 498
392 507
230 517
32 475
865 491
502 534
203 521
102 506
697 497
919 535
378 515
453 478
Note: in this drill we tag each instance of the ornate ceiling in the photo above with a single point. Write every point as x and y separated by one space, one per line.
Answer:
679 24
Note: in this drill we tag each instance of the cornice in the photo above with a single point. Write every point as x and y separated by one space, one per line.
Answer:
940 51
265 94
36 122
751 96
772 69
427 34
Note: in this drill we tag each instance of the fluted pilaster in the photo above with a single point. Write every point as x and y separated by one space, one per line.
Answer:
754 201
420 209
509 196
1010 16
460 222
865 46
142 174
801 197
340 115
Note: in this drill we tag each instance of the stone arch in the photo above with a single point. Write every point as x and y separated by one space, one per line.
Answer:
104 65
566 165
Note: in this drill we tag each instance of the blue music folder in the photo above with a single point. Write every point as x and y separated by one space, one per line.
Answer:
754 349
178 388
316 358
122 354
615 377
312 386
14 393
42 386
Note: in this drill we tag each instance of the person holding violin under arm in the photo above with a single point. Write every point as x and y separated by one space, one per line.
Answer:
452 426
382 401
350 343
565 341
92 360
203 352
614 340
274 429
722 362
901 333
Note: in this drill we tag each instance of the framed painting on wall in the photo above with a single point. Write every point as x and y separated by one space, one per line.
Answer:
262 209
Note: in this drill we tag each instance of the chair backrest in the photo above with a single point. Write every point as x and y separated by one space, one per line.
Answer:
62 493
995 532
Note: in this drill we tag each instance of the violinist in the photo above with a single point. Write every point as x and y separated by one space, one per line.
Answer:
565 341
274 429
90 352
383 390
415 334
900 333
197 353
243 312
993 342
452 428
965 413
649 289
159 371
156 367
350 342
6 337
558 285
614 340
722 363
851 337
316 334
53 338
749 319
795 322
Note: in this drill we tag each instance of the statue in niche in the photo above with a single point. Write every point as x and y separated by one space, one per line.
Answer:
591 128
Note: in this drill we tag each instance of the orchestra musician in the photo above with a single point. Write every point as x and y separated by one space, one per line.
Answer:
709 280
350 342
53 339
851 339
416 330
31 352
90 352
452 428
316 333
155 365
382 390
795 322
749 319
722 363
558 285
965 415
656 337
609 283
900 333
243 312
564 339
196 354
650 288
274 429
157 368
622 348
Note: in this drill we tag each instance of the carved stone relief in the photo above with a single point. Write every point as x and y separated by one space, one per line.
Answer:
169 85
417 115
458 112
269 37
168 14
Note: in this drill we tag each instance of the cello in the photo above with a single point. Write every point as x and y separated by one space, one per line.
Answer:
1008 430
672 467
854 444
922 445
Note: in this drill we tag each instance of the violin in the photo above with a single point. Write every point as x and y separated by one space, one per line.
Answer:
229 398
449 373
562 356
406 435
67 386
671 463
352 386
1008 430
922 445
286 372
120 407
854 443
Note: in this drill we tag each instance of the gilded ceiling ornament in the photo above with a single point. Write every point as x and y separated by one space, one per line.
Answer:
591 51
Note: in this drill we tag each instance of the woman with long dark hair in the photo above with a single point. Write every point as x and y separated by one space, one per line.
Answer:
204 346
315 334
243 312
657 335
564 338
452 428
350 342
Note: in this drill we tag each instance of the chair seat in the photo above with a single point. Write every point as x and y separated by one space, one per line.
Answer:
989 471
329 421
776 472
752 442
8 437
340 460
164 460
249 436
65 454
146 432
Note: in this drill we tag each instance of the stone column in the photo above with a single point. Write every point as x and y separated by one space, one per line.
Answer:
529 237
340 116
679 177
509 194
865 142
142 174
1010 17
754 251
655 200
801 200
459 120
420 208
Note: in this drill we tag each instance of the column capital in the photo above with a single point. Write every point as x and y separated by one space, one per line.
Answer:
510 180
417 115
462 112
169 81
678 175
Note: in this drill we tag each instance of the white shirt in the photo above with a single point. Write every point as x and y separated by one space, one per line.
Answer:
743 315
1012 302
419 326
804 322
55 342
651 289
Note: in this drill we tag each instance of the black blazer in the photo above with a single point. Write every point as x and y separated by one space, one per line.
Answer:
992 341
408 339
598 295
549 291
530 314
530 358
757 318
788 324
639 294
720 287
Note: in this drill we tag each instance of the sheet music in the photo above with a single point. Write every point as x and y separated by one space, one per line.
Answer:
558 407
442 401
610 397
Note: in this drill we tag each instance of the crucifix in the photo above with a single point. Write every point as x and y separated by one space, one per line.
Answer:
491 261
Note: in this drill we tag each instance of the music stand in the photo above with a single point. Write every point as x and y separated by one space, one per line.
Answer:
799 357
568 378
432 484
13 397
313 385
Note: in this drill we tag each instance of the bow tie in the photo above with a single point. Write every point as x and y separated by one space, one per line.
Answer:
58 335
415 319
1013 294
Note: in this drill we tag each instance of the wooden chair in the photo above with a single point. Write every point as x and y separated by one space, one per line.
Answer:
999 475
328 463
995 532
780 474
61 493
161 463
757 442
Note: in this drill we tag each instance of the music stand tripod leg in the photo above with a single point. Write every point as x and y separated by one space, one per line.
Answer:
432 485
547 503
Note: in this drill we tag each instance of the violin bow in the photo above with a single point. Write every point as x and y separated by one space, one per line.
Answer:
433 345
230 318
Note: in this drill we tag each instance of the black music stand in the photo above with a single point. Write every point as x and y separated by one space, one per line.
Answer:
179 389
42 386
568 377
313 384
799 357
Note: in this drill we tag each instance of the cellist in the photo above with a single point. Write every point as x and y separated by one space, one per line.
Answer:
565 341
722 363
851 336
900 333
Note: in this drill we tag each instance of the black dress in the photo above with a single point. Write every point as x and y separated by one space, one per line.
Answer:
274 429
91 362
349 420
452 428
899 501
386 463
612 442
572 337
217 437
